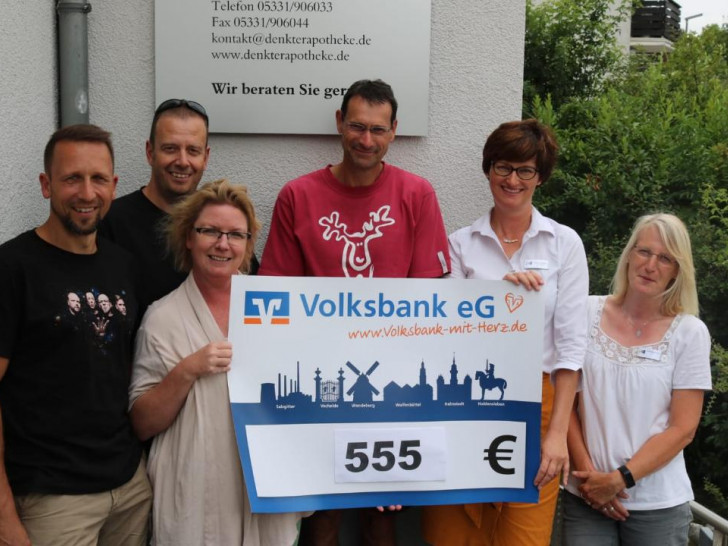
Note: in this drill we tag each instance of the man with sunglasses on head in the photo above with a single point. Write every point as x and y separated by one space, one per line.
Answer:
359 218
177 151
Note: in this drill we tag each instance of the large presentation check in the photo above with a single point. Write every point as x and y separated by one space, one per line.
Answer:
368 392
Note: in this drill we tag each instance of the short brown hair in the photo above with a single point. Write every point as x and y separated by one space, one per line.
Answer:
185 213
521 141
372 91
76 133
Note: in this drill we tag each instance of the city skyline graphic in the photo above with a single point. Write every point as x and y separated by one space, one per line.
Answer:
361 386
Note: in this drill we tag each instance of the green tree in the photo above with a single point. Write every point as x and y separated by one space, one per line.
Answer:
653 137
571 48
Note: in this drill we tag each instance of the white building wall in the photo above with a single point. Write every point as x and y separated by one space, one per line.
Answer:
476 83
624 32
28 109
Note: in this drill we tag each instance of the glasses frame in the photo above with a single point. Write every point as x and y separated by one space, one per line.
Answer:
211 232
663 259
518 170
361 129
171 104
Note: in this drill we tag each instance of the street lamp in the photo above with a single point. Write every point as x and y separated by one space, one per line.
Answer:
687 19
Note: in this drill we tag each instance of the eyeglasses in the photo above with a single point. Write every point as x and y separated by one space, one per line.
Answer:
176 103
524 173
360 129
214 234
662 259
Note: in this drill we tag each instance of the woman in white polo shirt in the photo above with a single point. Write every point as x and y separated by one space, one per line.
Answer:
647 365
513 241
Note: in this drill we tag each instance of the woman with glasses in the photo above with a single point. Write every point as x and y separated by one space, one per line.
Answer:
513 241
647 365
179 394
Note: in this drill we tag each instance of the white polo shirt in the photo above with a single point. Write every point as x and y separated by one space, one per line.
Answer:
553 250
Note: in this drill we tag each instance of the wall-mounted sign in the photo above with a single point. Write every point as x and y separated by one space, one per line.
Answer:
371 392
282 66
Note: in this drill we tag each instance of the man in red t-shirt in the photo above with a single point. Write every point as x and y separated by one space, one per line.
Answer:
358 218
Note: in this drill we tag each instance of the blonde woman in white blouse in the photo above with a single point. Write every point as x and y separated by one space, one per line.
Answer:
646 369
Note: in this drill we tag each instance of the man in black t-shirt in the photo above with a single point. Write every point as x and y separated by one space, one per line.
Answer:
71 470
177 152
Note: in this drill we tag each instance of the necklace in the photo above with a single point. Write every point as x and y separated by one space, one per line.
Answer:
638 329
497 227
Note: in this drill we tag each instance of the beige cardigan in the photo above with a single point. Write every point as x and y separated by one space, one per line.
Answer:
194 467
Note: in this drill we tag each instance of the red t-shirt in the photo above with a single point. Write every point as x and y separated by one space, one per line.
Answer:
322 228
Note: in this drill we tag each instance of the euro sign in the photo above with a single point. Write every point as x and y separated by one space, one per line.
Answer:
494 454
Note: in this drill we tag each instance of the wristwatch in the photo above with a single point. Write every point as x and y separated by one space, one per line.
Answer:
626 476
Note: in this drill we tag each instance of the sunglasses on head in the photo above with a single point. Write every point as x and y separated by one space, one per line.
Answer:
176 103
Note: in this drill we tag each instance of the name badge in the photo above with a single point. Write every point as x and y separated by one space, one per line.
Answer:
650 354
537 264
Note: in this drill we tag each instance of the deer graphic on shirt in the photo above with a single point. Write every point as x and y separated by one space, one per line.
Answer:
356 261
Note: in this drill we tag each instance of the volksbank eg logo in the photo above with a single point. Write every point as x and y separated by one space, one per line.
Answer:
267 307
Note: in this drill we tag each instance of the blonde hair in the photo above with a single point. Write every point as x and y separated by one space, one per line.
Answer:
681 295
185 213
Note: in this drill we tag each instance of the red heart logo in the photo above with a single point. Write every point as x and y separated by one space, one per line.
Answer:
513 302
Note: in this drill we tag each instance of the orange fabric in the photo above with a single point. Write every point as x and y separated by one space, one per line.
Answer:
497 524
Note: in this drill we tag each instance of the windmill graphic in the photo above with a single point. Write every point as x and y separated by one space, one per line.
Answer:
362 389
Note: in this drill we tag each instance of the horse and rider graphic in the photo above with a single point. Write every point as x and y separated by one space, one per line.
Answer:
488 381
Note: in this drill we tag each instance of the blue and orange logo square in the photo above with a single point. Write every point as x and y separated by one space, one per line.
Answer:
267 307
